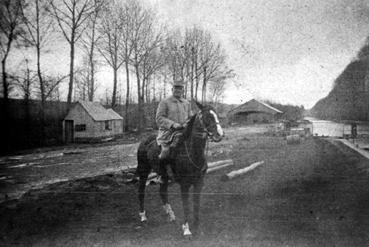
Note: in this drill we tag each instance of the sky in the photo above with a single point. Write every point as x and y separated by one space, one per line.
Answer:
287 51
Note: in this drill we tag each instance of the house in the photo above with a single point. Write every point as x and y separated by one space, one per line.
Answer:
90 121
253 112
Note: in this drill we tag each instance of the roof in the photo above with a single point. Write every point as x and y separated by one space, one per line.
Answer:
98 112
114 114
254 106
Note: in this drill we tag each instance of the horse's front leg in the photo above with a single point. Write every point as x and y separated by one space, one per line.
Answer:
164 198
196 201
141 197
186 209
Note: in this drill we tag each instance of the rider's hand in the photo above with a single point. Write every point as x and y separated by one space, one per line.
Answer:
177 126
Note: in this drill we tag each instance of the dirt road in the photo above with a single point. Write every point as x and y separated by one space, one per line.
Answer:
19 174
34 171
311 194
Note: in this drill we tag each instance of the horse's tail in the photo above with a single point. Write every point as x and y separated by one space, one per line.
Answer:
143 162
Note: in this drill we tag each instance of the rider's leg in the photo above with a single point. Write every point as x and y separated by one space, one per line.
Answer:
165 151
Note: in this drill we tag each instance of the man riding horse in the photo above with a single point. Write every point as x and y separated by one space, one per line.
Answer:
171 115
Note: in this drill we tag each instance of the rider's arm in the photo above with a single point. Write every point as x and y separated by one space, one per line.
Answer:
162 119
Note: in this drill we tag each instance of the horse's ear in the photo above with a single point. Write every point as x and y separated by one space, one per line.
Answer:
200 106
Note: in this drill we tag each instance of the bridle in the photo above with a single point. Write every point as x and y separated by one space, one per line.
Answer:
208 134
206 130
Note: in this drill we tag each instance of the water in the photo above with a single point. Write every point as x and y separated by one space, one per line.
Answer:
334 129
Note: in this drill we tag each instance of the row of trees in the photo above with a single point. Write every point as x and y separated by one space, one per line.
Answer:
123 35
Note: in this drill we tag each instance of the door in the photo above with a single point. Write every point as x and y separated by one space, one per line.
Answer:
69 131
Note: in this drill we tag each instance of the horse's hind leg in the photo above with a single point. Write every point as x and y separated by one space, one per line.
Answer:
141 196
164 198
186 209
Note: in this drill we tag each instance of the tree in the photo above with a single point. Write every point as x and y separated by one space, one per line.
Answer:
217 85
71 16
175 55
152 61
38 26
127 27
25 82
110 44
195 58
142 39
83 85
89 41
10 29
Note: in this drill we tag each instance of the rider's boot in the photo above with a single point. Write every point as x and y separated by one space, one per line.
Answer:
165 152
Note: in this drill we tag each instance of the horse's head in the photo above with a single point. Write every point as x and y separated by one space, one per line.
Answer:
210 122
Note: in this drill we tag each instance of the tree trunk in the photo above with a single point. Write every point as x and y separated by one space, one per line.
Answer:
114 97
43 96
92 66
203 99
3 67
5 105
5 83
126 128
139 99
92 83
71 72
197 80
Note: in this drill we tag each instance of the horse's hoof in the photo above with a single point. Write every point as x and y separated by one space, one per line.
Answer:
168 210
143 217
186 231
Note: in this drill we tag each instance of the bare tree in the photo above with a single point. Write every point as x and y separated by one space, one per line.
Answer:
89 41
127 48
83 86
81 82
26 82
52 84
142 35
175 55
195 58
110 43
10 29
38 25
152 61
71 16
218 83
146 59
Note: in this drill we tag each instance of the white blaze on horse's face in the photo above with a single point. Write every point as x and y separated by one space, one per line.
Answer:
219 128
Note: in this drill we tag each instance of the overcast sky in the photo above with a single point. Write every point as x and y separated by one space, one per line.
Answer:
288 51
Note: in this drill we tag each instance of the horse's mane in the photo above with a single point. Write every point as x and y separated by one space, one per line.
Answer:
189 127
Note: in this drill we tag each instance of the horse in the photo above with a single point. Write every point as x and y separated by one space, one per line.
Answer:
189 164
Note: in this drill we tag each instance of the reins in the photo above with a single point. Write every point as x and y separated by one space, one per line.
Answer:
207 145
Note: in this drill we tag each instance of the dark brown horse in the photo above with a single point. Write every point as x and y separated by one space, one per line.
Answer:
188 165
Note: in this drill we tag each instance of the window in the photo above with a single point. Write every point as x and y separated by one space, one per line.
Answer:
80 127
107 125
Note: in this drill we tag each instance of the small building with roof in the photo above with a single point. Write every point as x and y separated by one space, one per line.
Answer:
89 121
253 112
